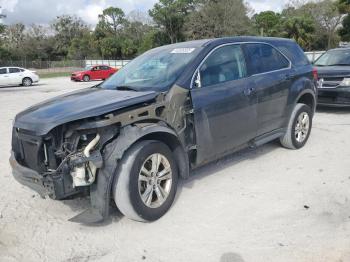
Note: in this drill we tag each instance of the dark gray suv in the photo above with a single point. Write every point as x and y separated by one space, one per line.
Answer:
172 109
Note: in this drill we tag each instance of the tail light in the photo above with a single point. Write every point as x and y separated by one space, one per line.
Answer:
315 74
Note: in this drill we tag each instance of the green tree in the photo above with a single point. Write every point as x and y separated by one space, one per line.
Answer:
170 15
300 28
66 28
218 18
267 23
111 21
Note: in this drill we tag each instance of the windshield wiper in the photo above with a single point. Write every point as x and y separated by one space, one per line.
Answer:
125 88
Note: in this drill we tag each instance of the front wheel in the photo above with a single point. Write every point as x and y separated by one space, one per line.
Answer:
299 127
86 78
146 181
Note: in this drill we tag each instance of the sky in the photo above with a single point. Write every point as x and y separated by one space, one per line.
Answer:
44 11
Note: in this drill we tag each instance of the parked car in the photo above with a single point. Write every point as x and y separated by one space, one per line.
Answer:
13 76
334 73
168 111
98 72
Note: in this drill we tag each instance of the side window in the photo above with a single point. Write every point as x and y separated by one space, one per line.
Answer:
96 68
14 70
262 58
224 64
3 71
105 68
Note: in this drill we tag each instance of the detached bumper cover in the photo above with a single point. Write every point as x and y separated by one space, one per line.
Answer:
44 186
339 96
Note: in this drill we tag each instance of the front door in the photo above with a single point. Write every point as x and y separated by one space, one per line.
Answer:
15 76
224 103
96 73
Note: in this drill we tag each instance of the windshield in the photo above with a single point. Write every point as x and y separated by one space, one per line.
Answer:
156 69
334 58
87 68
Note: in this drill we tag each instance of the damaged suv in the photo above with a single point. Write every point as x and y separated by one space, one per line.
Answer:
172 109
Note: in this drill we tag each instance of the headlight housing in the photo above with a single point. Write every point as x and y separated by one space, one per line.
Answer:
345 82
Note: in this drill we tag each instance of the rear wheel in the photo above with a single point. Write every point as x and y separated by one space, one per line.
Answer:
27 81
146 181
86 78
299 127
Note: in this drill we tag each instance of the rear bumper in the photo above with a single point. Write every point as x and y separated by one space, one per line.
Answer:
339 97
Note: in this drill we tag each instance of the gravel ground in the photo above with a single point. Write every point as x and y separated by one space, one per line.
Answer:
267 204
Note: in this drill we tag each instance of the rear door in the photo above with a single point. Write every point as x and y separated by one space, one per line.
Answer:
271 73
4 77
223 102
15 75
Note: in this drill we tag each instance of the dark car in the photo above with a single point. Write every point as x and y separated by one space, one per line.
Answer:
334 73
167 112
97 72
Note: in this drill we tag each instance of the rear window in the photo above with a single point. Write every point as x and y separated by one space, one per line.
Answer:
262 58
14 70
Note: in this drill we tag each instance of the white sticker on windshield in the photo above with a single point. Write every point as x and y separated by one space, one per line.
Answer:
183 50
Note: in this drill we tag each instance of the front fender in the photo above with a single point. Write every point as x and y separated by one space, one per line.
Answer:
100 192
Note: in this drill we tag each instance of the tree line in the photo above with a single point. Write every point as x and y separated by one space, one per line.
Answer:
315 25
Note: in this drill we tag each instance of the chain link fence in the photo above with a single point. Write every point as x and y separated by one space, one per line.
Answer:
64 66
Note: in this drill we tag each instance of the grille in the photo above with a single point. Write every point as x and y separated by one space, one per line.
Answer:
331 82
28 149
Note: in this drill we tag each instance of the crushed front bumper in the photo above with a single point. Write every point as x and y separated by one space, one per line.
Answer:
53 186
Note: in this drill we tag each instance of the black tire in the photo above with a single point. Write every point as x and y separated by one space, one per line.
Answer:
27 81
126 185
86 78
289 140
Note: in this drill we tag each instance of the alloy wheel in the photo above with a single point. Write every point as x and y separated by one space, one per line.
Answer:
155 180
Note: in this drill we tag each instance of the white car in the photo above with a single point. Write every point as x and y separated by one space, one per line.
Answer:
12 76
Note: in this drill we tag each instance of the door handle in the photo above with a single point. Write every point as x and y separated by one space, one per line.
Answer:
249 91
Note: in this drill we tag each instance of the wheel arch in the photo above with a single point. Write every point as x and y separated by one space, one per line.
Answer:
307 97
101 191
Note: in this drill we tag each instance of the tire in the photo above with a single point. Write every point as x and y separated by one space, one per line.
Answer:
298 130
86 78
27 81
127 188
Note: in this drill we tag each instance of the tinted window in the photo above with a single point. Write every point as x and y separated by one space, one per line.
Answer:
96 68
224 64
105 67
14 70
3 71
293 51
264 58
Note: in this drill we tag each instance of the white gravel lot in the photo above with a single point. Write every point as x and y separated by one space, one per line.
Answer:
250 206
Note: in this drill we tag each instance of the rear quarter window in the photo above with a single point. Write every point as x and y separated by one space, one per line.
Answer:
293 51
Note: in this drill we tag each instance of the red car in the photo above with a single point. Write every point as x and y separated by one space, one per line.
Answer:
97 72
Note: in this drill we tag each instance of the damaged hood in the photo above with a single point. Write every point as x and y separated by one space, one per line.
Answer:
45 116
